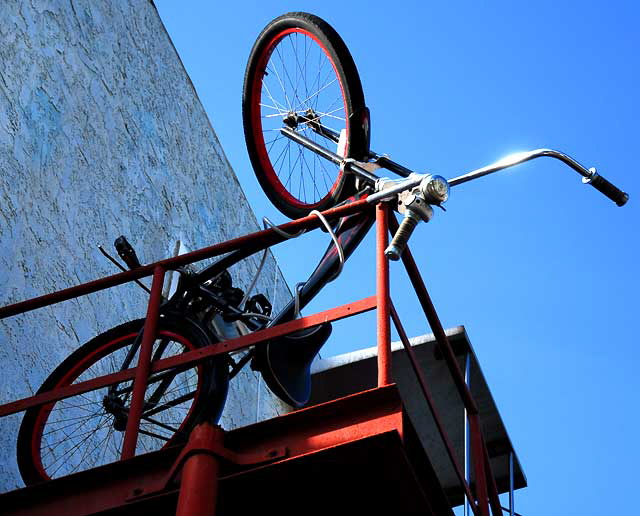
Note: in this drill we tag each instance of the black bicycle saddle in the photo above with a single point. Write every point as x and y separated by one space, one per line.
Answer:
285 363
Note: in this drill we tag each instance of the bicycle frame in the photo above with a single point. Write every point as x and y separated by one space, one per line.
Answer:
349 231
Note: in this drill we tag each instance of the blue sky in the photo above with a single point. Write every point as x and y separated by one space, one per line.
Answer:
541 270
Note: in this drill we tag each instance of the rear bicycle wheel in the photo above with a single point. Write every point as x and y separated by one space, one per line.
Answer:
87 430
301 75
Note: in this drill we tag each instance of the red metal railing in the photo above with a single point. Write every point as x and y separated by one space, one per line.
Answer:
486 492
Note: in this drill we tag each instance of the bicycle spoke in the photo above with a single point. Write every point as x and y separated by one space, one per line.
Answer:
152 434
52 445
292 168
161 424
272 142
280 155
86 452
282 84
75 421
105 448
82 406
286 72
295 54
279 106
75 447
316 93
314 178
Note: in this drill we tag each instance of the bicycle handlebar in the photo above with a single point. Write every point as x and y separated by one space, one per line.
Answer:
589 175
386 188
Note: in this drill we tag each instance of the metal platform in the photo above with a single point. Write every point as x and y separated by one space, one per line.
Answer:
341 375
359 453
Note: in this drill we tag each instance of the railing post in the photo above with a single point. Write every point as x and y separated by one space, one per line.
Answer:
478 458
511 499
382 294
144 366
467 475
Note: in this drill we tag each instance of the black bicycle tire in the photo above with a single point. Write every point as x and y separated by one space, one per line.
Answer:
208 404
357 121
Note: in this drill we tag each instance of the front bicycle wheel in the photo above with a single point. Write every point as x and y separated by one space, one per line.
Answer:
301 75
87 430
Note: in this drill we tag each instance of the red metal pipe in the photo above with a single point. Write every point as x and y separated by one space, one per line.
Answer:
494 496
477 454
199 480
261 239
434 412
435 324
382 294
195 356
482 466
144 366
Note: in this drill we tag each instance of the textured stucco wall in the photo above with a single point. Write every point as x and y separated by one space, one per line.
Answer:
101 134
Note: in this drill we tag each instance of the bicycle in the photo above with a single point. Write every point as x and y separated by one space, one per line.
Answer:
302 93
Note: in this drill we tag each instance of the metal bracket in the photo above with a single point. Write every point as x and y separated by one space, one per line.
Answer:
209 445
413 201
370 167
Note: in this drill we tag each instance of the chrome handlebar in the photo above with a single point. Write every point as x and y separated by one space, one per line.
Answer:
386 188
589 176
413 192
416 184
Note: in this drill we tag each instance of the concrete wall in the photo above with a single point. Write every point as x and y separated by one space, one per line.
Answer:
101 134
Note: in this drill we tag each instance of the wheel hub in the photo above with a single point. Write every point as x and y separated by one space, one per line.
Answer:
312 119
291 120
115 406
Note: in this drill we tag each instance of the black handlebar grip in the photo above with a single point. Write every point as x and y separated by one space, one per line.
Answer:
126 252
607 188
401 237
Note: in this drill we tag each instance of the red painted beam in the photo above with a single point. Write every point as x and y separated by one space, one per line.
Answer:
260 239
480 467
494 496
119 486
191 357
325 425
